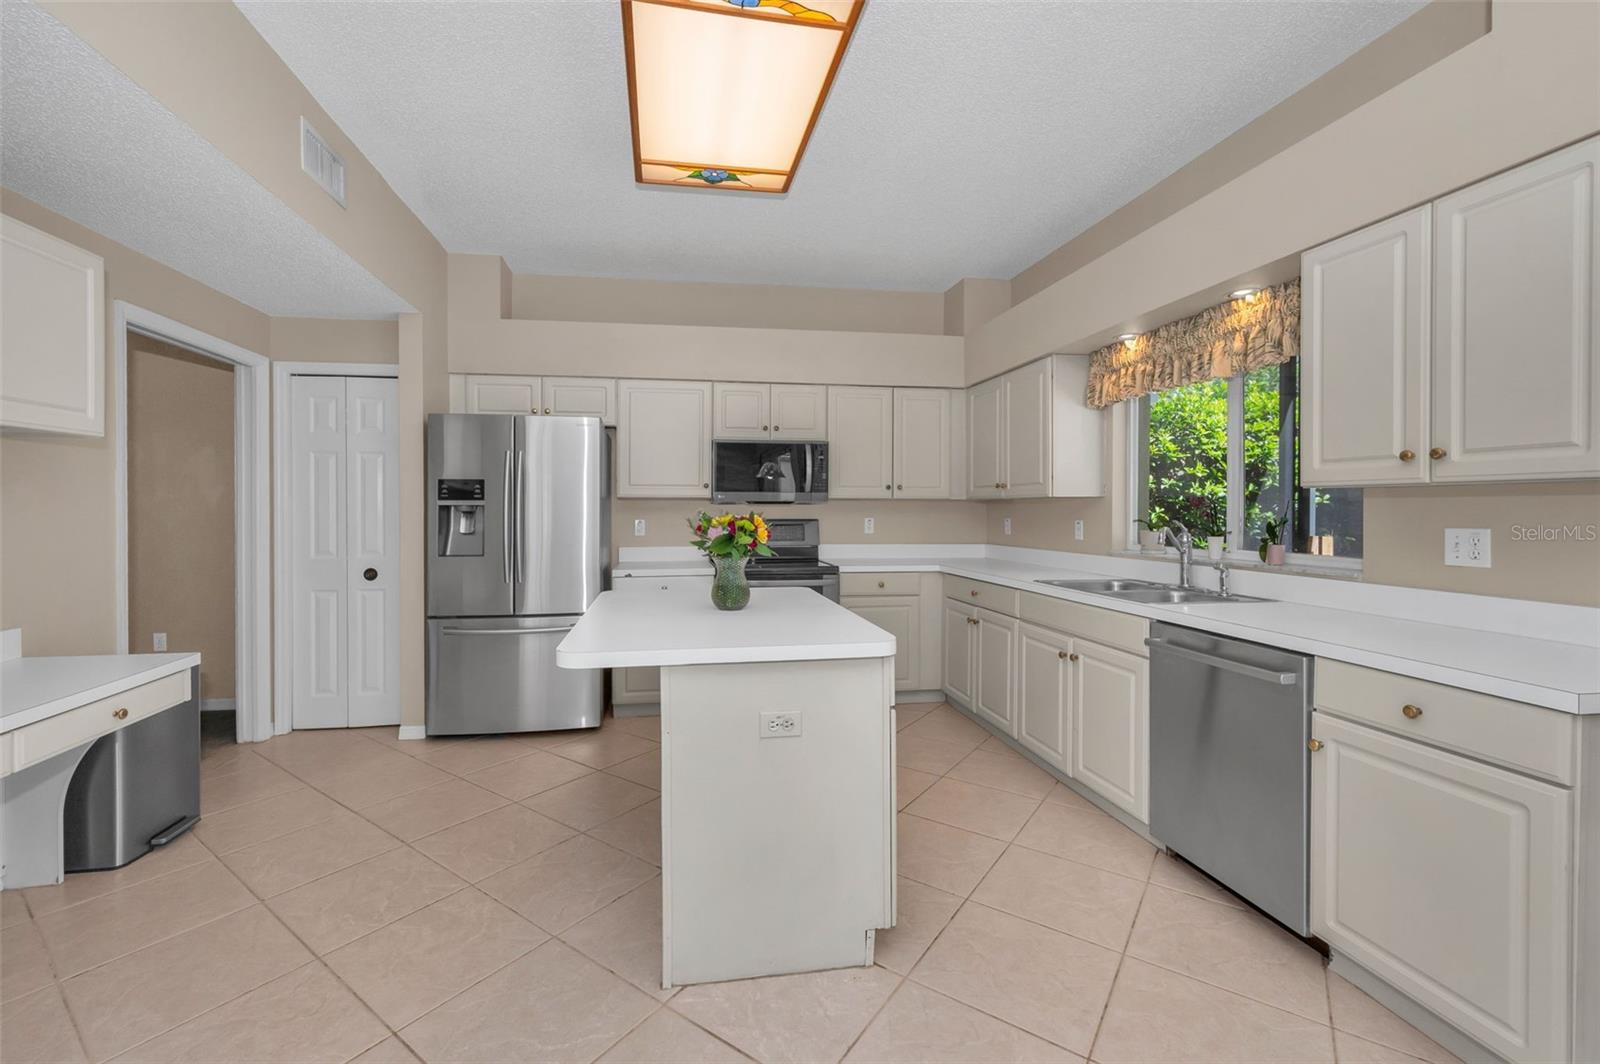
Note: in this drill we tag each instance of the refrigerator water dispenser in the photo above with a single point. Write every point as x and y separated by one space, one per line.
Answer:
460 519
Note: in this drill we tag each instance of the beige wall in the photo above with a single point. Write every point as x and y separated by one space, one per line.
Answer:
603 299
180 507
896 521
57 495
334 340
1046 524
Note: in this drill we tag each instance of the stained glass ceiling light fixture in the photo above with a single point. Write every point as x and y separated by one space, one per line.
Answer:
725 93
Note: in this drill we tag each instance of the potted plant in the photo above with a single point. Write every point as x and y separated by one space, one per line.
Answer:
1151 540
729 540
1272 548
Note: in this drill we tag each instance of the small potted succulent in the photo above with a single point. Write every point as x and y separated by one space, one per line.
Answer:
1272 549
729 540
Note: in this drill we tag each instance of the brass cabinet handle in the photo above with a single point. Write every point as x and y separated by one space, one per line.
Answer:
707 485
974 592
1313 745
763 428
1436 453
1072 657
775 428
1061 653
888 487
880 583
997 484
1003 487
1411 712
972 620
120 714
547 410
1408 455
899 487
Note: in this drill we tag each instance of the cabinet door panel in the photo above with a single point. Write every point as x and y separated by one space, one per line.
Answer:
1515 383
52 333
1044 694
1027 431
1364 342
582 396
921 443
664 439
901 617
742 411
503 395
985 444
995 656
799 411
1449 879
860 443
959 638
1111 711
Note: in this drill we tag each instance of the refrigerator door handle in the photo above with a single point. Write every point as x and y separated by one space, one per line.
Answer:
517 557
506 631
505 520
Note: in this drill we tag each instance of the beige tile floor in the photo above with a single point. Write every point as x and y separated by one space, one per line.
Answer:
351 897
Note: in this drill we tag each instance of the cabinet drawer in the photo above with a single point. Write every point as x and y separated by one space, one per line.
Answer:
1122 630
1530 738
35 742
646 584
989 596
880 583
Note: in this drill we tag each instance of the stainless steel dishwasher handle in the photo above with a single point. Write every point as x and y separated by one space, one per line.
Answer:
1255 672
504 631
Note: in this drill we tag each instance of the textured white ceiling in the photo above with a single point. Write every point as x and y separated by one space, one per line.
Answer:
78 137
961 138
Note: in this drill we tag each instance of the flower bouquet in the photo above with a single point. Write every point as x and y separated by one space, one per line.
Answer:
729 540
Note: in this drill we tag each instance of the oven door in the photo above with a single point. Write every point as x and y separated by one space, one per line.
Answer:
769 471
825 585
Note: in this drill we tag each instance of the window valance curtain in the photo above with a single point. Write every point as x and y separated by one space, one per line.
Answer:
1222 341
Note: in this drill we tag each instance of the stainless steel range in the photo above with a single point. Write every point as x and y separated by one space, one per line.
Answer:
797 545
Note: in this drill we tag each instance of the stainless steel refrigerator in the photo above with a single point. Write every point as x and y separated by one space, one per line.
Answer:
519 545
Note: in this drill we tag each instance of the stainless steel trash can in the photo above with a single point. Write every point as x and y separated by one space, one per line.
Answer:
136 789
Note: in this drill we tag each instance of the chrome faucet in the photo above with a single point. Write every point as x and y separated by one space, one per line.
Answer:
1224 588
1185 544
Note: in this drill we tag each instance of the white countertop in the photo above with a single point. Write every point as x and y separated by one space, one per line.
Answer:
780 624
33 689
1544 672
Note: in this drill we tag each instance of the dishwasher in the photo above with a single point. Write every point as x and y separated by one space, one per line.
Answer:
1229 766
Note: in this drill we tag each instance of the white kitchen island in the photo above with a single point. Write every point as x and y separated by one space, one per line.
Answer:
777 776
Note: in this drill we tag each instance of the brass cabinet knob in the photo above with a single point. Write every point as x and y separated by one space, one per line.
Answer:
1003 487
1411 712
888 487
120 714
1072 657
899 487
1408 455
763 428
547 410
1313 745
775 428
974 592
972 620
880 583
1436 453
707 485
1061 653
997 484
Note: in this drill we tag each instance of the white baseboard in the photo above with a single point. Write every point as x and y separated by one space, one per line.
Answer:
1458 1042
218 705
413 731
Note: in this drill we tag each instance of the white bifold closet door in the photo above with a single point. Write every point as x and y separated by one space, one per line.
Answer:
345 530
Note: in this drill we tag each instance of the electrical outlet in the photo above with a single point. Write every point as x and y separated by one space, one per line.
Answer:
1467 546
159 641
1005 525
780 725
638 526
867 526
1077 530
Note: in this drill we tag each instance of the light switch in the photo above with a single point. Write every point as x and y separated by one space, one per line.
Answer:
867 526
1077 530
1005 525
638 526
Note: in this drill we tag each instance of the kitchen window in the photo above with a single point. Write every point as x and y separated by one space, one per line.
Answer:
1222 455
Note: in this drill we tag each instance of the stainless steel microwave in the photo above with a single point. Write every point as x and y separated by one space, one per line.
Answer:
768 471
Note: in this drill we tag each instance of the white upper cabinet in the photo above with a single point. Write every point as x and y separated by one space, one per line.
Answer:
1457 342
922 420
1516 388
581 397
986 453
1363 344
664 439
52 334
860 443
800 411
495 394
1030 434
743 411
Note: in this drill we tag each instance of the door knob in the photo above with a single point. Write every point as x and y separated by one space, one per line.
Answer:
1411 712
369 574
1406 456
1436 453
1313 745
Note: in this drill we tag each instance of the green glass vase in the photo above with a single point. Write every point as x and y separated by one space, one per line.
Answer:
729 588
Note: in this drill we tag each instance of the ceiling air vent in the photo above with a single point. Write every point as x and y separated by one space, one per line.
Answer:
321 162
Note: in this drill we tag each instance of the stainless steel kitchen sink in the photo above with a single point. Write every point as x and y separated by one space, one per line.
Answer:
1147 591
1103 587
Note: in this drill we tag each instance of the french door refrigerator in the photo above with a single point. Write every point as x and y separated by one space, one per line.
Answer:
519 545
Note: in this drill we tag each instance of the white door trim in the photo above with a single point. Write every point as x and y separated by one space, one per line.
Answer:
252 597
283 619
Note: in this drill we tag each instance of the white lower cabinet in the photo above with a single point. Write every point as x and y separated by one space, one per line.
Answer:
1044 694
993 654
960 643
901 617
1451 880
1110 743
